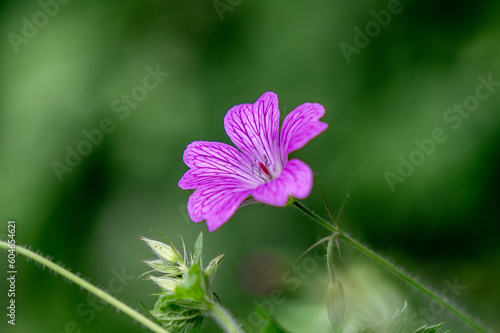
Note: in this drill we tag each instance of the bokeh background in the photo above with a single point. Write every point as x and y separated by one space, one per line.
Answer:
66 66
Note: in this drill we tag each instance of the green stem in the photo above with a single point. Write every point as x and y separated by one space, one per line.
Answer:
88 286
223 318
315 217
329 256
389 266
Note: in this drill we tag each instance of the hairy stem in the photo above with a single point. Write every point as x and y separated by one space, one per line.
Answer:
224 318
329 256
89 287
389 266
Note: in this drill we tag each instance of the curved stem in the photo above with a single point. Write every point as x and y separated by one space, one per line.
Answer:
89 287
329 256
315 217
223 318
389 266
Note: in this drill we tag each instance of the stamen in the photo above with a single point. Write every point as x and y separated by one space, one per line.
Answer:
263 167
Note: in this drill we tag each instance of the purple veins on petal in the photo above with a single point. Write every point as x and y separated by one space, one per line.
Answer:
214 161
300 126
295 180
215 204
225 177
254 129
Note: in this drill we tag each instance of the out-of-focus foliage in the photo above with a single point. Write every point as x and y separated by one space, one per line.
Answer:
91 77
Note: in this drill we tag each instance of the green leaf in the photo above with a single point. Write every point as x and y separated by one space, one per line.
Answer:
271 325
177 318
429 329
192 287
186 293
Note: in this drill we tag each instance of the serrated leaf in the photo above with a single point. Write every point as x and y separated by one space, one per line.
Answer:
270 324
429 329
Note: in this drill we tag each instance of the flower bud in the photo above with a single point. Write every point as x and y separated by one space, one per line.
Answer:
163 251
335 303
166 283
163 266
212 266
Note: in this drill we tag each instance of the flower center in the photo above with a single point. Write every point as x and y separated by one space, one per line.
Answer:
263 168
265 171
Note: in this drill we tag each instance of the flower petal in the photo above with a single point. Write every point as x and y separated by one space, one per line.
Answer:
215 161
216 204
300 126
296 180
254 129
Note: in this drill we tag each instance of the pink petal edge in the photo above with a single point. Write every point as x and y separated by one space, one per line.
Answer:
216 205
223 176
301 126
211 162
296 180
254 128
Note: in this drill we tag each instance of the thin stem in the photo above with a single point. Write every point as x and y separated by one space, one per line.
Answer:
389 266
89 287
314 216
329 256
224 318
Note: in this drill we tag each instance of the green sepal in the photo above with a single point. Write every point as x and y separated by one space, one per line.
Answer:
163 251
213 265
177 318
192 287
160 265
290 201
165 283
186 295
429 329
198 245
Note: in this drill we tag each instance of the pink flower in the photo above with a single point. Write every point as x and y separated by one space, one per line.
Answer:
224 176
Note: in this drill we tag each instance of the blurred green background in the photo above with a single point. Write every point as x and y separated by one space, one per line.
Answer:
64 67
